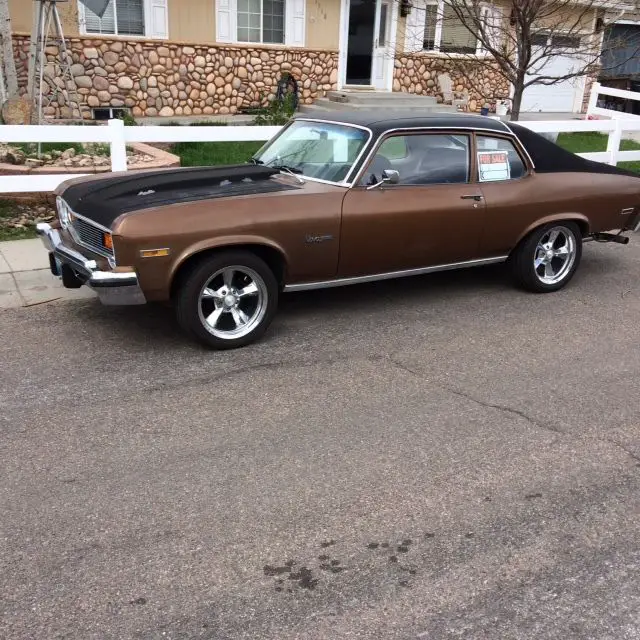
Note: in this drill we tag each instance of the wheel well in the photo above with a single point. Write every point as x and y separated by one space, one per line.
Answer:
274 259
583 225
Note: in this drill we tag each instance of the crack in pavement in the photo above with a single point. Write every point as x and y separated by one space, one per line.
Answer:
510 410
172 384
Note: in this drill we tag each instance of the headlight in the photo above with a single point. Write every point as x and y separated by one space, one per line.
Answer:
107 241
63 212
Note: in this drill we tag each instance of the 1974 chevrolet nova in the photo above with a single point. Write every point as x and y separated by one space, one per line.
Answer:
337 201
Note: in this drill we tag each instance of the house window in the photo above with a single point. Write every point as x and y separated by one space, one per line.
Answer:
261 21
121 18
544 39
444 30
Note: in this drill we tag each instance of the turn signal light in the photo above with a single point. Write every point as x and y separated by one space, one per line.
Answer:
154 253
107 241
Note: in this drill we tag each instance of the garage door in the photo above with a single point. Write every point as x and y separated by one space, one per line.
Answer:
562 96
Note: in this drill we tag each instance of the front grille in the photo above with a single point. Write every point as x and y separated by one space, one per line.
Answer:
90 236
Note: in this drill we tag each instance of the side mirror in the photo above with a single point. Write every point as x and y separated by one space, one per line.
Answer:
389 176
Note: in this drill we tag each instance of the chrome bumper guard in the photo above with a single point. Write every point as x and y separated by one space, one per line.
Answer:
112 287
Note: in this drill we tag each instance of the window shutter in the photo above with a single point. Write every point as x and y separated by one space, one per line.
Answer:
156 14
226 21
295 23
415 27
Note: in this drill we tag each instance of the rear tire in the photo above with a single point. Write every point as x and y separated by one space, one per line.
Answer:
227 300
548 257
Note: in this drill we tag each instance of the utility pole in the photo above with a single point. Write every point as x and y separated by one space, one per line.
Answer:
8 75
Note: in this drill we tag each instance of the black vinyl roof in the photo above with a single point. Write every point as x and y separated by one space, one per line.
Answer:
380 121
547 157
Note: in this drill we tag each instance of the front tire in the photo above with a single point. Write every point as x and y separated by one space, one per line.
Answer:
227 300
548 257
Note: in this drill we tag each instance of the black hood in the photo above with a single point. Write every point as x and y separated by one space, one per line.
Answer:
105 199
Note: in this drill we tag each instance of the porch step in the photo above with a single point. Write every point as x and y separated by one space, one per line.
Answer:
370 97
322 105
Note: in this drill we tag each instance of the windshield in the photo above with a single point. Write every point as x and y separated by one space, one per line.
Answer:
321 150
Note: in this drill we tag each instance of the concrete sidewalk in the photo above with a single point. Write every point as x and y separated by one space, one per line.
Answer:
25 278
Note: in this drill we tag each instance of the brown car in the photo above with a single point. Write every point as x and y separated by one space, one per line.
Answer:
335 201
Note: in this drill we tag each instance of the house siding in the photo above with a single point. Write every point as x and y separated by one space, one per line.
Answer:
194 21
323 24
21 13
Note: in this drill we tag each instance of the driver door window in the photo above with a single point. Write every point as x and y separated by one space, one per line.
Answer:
422 159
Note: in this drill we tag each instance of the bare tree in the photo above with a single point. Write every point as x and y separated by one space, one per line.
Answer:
7 61
517 40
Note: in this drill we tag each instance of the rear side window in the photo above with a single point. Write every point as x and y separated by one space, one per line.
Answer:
498 160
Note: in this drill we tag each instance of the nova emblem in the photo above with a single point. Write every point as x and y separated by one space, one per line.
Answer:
318 239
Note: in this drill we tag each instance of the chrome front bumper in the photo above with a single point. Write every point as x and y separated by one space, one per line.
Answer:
112 287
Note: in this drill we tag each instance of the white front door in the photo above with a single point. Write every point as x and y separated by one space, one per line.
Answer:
382 57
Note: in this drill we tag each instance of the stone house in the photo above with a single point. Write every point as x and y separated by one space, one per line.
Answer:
193 57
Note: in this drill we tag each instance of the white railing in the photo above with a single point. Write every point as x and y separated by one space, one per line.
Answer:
597 90
614 129
117 136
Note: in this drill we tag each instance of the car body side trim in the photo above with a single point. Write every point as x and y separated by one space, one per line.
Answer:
339 282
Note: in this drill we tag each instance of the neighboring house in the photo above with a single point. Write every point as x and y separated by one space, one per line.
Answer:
183 57
621 62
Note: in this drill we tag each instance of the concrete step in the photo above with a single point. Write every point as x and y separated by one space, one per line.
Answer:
323 107
356 97
395 105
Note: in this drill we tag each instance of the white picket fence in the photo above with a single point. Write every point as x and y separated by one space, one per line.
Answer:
116 135
597 91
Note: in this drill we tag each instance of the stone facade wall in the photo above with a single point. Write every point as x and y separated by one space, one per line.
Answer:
172 79
418 73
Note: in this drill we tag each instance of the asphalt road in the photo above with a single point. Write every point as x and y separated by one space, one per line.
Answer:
439 457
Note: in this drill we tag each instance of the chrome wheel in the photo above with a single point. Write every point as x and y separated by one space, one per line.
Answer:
232 302
554 255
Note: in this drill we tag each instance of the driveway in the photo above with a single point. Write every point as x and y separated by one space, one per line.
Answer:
439 457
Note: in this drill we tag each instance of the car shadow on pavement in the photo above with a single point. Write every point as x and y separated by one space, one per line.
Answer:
155 324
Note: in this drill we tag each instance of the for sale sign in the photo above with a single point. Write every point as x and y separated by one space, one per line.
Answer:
493 165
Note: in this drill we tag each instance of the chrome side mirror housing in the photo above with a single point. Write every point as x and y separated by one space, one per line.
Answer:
389 176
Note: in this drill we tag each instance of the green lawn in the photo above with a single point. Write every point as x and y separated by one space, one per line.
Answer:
197 154
200 154
588 141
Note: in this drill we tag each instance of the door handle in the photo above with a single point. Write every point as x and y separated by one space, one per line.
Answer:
475 196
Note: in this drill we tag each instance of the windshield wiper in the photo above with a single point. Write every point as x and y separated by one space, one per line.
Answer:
283 168
292 171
